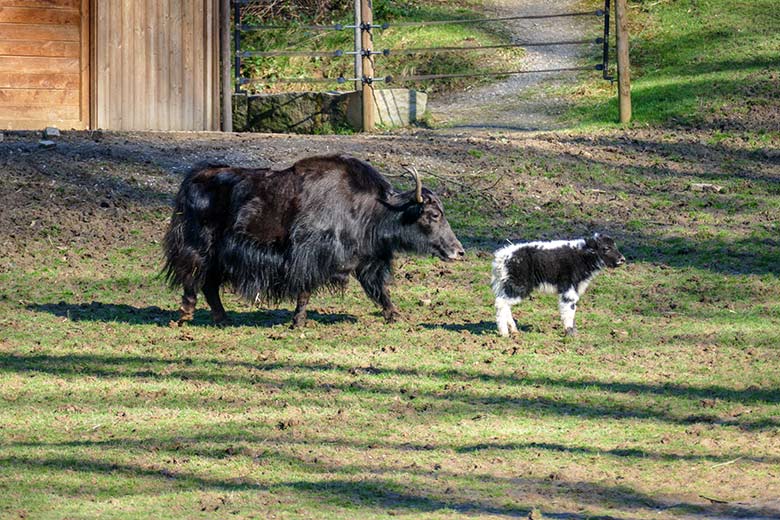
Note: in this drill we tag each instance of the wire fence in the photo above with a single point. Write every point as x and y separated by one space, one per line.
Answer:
240 54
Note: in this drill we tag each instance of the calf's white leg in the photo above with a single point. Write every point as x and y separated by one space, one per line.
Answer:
504 317
567 304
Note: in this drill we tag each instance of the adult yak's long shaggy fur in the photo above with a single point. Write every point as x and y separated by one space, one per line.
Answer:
277 235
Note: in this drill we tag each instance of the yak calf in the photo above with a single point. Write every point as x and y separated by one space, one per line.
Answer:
563 267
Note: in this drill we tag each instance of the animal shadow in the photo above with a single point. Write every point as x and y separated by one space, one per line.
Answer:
153 315
482 328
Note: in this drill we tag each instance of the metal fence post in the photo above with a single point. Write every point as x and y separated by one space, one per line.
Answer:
358 47
367 17
237 44
623 67
224 48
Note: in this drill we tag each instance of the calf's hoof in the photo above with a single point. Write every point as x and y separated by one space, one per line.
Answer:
571 331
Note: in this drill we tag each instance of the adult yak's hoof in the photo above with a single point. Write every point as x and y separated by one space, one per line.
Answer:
185 315
222 321
571 331
299 320
391 315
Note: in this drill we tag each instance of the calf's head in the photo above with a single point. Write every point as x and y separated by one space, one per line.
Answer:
423 217
604 246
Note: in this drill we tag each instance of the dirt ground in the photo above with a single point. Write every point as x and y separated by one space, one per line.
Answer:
96 185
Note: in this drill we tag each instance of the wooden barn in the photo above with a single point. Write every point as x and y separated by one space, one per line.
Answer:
111 64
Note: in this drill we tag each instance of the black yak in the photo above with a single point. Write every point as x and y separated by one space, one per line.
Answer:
563 267
278 235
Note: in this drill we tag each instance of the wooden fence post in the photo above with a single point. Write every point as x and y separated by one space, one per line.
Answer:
367 17
224 50
623 67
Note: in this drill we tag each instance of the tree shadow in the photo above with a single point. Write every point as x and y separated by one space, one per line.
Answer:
372 385
153 315
375 491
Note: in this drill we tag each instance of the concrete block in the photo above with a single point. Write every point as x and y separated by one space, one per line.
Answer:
393 107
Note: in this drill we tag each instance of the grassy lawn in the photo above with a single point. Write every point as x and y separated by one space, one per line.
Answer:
669 393
666 406
696 62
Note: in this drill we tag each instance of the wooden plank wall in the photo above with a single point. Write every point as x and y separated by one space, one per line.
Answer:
44 64
157 65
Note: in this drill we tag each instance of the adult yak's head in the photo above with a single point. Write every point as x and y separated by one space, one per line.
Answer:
424 228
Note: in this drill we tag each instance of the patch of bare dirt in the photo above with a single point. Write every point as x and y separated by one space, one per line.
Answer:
94 190
754 107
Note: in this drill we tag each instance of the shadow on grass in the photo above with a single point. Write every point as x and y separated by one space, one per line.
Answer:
628 402
153 315
218 445
375 492
480 328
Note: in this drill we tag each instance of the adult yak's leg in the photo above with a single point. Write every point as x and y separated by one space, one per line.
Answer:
188 301
374 276
299 318
211 292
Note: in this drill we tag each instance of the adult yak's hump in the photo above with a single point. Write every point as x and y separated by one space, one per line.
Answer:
361 176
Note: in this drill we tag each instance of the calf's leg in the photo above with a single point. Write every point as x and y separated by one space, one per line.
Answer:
567 304
504 320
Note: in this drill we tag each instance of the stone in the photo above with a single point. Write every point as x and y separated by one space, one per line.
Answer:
240 112
51 131
706 187
297 112
323 112
46 144
393 107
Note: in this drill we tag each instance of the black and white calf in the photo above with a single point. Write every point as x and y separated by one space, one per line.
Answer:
565 267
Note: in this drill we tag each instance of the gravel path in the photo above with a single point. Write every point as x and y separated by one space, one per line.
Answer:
503 105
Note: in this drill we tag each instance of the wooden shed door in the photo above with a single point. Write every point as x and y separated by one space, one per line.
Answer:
157 65
44 64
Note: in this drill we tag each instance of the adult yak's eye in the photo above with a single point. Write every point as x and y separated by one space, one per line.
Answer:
435 216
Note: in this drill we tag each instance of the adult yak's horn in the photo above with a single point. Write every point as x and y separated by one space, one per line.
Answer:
418 183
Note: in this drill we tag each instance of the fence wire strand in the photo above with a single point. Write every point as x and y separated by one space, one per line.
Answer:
598 12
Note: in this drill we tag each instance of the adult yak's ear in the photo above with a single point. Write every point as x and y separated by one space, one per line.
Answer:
411 213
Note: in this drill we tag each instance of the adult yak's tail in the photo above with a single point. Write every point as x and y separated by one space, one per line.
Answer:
189 240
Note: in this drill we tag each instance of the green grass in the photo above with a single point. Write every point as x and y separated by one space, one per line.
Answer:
669 392
394 39
696 62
